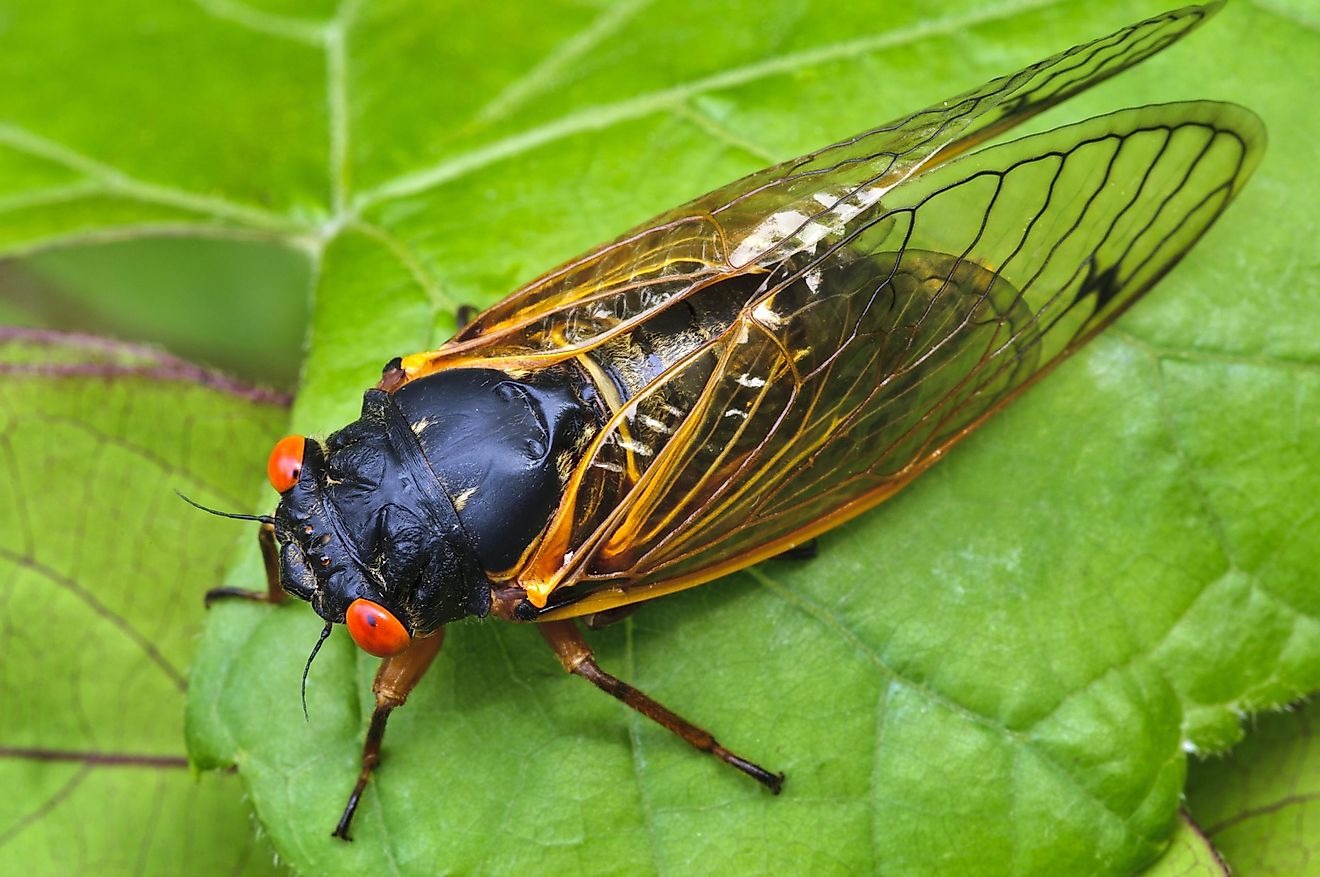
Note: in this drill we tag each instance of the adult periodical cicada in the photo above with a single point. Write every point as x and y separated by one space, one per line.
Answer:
743 372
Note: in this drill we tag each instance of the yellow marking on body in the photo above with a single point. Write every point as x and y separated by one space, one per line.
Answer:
646 498
462 499
538 592
553 560
415 362
615 402
602 382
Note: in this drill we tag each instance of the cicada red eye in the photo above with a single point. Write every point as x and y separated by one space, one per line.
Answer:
375 629
285 462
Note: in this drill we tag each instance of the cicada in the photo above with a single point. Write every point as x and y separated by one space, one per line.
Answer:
744 372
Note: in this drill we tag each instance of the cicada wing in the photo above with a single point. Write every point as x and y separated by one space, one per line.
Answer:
857 363
785 208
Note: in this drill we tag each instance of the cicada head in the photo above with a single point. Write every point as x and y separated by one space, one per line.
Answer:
368 536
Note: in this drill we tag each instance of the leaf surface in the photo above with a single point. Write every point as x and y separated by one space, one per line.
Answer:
99 565
1260 804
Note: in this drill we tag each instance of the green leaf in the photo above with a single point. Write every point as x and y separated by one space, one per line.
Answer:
999 671
1190 854
1260 805
99 565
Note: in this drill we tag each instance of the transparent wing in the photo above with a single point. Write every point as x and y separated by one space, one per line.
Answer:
859 360
766 217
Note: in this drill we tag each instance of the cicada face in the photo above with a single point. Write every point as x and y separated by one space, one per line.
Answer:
355 544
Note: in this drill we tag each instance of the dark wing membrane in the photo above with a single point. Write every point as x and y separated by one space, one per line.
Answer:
762 217
866 356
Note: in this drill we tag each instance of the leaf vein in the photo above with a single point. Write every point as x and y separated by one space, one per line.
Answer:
1288 15
46 806
298 30
635 751
1026 743
604 116
118 182
101 610
547 73
401 251
686 111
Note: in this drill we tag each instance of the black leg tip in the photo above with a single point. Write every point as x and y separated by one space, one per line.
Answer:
772 781
341 830
464 314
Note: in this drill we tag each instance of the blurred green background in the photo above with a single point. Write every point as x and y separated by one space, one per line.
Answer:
237 306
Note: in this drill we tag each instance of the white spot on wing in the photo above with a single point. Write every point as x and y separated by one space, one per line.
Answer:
813 278
805 231
766 315
771 230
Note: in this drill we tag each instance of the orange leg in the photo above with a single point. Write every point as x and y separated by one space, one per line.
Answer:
270 558
394 680
576 656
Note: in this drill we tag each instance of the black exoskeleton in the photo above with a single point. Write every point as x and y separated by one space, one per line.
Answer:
435 485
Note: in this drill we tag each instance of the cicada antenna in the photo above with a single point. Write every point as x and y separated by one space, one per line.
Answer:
263 519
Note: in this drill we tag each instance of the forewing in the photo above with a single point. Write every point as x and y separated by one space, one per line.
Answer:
867 356
766 217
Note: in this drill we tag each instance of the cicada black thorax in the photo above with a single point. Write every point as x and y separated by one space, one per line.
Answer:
501 448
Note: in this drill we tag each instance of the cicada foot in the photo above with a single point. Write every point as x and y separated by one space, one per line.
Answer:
577 658
270 559
395 679
464 314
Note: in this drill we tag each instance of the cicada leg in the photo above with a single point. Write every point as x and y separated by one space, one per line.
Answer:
270 558
577 658
394 681
464 314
